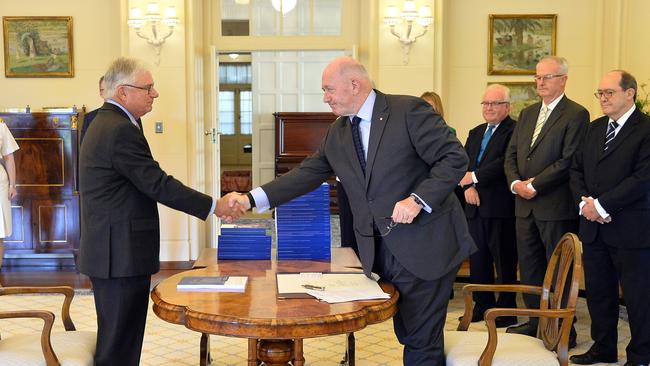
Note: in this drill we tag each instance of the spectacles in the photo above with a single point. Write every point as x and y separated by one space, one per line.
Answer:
607 93
148 88
383 232
547 77
493 104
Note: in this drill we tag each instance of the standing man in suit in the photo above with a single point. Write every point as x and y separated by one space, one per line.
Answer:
120 185
537 168
88 118
490 206
399 163
610 180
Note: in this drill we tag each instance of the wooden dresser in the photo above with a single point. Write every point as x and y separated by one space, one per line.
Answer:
45 212
297 135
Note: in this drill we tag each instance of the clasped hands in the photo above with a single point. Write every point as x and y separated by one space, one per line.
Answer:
590 212
522 189
232 206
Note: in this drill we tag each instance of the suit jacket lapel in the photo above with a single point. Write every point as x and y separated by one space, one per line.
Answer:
495 136
377 125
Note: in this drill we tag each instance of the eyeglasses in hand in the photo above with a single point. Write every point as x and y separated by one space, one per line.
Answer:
382 232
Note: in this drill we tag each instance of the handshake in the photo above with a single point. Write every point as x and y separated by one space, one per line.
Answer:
232 206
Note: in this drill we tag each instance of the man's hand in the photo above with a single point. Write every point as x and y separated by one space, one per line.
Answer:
231 206
590 212
522 190
406 211
471 196
12 192
467 180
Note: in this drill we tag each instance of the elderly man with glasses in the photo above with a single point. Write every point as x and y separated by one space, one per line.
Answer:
610 180
537 164
490 207
121 185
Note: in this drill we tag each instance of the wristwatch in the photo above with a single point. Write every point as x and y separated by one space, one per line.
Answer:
251 200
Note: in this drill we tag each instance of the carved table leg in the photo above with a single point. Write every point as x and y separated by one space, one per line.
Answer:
348 359
276 352
298 358
252 352
205 358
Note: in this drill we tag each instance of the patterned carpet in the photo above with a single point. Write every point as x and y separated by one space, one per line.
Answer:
169 344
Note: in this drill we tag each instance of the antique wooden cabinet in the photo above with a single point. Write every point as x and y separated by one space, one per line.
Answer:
45 212
297 135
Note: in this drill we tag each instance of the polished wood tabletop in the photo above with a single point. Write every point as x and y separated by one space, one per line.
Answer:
259 315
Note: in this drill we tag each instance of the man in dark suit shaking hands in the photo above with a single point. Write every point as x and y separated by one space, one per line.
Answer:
490 206
399 163
120 186
537 167
610 179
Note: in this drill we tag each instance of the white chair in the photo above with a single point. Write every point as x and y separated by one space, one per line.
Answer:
558 293
69 348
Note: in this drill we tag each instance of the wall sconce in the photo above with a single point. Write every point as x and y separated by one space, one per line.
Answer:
154 19
283 6
407 18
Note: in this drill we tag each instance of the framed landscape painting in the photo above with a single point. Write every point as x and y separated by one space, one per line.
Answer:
517 42
38 46
522 94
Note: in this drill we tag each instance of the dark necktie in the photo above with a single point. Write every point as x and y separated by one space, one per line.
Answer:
484 142
358 146
610 134
139 121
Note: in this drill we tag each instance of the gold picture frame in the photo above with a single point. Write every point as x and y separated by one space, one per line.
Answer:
516 42
38 46
522 94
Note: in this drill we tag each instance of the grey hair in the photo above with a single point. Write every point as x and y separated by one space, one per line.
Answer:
627 81
122 71
502 88
561 61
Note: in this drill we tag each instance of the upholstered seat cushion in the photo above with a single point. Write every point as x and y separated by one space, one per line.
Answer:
74 348
465 348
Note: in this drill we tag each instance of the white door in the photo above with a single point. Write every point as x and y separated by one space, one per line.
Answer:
212 144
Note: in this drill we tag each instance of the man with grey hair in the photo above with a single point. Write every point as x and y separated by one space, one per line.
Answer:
120 186
610 180
399 163
537 165
490 207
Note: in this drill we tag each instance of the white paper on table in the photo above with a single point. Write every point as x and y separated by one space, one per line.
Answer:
338 287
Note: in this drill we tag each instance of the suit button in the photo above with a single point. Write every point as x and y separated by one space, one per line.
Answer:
527 159
371 201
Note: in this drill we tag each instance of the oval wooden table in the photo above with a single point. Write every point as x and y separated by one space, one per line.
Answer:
274 327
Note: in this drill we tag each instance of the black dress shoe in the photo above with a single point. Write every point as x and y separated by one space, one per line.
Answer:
636 364
525 328
477 316
591 357
505 321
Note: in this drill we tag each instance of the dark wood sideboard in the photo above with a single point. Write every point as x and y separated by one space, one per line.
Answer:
297 135
45 212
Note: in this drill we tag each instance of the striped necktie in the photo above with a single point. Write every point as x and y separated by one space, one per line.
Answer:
358 146
611 129
540 123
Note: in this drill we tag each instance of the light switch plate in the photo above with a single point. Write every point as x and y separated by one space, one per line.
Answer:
159 127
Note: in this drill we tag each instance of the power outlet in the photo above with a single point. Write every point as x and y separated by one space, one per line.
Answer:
159 127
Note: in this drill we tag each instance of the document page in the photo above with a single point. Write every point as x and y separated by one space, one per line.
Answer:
329 287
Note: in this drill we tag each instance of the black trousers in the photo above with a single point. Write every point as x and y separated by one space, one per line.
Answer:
121 305
422 309
497 250
346 220
605 266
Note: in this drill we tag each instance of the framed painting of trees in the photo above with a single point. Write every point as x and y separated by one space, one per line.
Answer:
38 46
517 42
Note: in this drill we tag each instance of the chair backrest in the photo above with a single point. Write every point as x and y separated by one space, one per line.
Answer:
560 290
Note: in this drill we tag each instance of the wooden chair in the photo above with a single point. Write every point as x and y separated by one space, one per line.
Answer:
558 293
73 348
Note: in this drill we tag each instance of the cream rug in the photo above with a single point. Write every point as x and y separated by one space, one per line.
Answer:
170 344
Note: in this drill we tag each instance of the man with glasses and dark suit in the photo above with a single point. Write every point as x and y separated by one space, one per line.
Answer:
537 164
490 206
610 180
399 163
